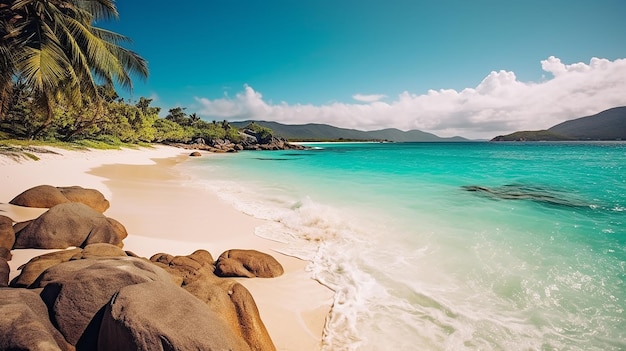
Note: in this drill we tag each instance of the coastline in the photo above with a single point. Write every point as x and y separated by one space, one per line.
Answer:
164 211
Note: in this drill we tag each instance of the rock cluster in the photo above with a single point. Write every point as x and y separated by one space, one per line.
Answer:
96 296
250 140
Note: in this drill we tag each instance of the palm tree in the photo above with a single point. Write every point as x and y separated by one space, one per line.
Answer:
54 48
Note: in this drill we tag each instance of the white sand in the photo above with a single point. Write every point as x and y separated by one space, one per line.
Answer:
164 212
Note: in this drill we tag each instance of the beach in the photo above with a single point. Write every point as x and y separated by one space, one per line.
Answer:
163 210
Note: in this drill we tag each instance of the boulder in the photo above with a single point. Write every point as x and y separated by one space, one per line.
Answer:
5 270
225 297
130 321
7 237
76 293
47 196
90 197
195 154
185 269
24 323
247 263
42 196
99 250
69 224
32 269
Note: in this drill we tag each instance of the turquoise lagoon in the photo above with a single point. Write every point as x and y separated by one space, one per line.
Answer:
448 246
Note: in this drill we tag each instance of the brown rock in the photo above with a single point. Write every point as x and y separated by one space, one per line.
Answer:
32 269
247 263
21 225
77 291
227 298
102 250
184 322
37 265
42 196
203 257
70 224
162 258
252 327
7 237
24 323
195 154
5 270
236 305
47 196
90 197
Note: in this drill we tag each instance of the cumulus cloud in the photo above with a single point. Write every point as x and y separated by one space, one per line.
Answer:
368 98
500 104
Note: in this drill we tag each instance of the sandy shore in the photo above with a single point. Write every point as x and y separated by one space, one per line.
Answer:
164 212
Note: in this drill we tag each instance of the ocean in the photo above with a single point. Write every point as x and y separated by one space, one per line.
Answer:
448 246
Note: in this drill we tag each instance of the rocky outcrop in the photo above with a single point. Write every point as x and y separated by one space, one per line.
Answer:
5 269
69 224
76 293
47 196
90 197
98 296
7 237
227 298
247 263
24 323
161 316
32 269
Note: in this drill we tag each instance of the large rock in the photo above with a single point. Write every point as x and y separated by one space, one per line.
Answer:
90 197
161 316
7 237
24 323
70 224
42 196
47 196
225 297
32 269
5 270
247 263
76 293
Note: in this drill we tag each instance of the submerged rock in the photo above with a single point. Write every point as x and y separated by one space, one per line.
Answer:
525 192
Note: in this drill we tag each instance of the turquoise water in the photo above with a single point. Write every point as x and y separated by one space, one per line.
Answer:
533 259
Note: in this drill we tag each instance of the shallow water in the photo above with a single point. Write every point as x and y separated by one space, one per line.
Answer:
422 257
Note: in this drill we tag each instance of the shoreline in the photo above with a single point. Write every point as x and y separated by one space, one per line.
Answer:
164 211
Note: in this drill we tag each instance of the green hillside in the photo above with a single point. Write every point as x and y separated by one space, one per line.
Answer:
324 132
606 125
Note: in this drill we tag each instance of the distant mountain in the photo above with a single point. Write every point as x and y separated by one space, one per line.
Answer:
606 125
325 132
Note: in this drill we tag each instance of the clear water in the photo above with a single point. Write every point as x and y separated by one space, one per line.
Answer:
535 261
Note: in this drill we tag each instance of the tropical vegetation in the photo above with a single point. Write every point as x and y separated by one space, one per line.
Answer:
58 74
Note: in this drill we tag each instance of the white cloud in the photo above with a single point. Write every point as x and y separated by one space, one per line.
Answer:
500 104
368 98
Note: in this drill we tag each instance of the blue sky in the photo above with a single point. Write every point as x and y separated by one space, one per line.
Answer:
376 64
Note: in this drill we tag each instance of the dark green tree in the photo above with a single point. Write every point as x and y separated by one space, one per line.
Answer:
54 48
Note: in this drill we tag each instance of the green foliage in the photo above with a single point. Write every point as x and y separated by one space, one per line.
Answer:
539 135
264 133
54 49
167 130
